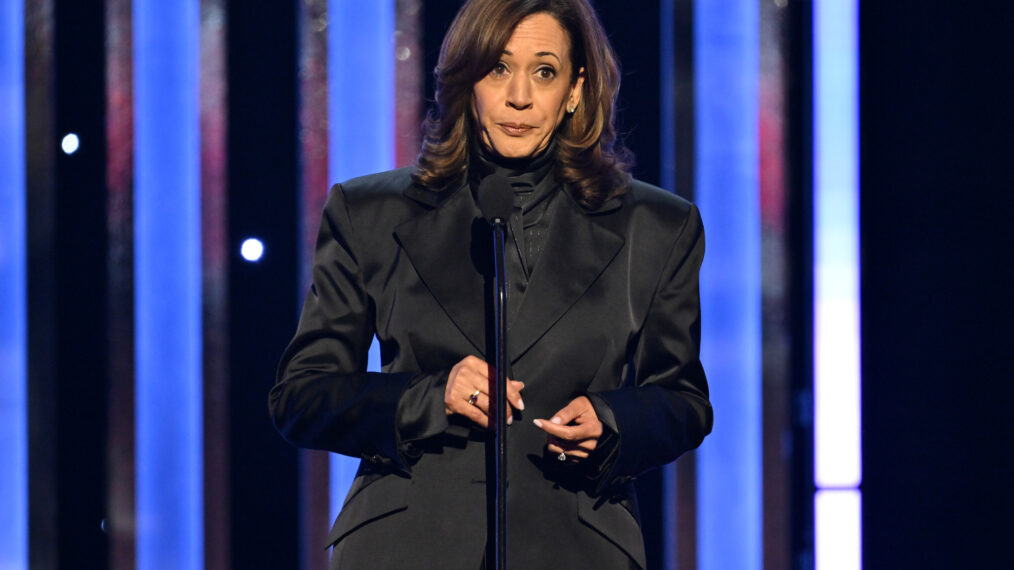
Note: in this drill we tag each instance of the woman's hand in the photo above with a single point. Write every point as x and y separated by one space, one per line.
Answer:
468 387
574 431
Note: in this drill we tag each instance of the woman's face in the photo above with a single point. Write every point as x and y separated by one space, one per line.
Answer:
520 102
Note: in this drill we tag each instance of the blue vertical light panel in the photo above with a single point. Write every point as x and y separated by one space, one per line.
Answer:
360 71
667 93
167 242
13 301
836 263
667 178
837 397
729 463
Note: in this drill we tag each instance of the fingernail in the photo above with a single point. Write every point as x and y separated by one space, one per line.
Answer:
521 404
510 420
556 420
538 423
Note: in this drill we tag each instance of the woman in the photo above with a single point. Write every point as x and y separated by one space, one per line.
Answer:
604 317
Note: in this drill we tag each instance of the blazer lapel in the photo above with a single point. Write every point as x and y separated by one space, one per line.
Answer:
577 251
440 245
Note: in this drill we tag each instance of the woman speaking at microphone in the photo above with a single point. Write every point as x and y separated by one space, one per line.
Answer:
603 314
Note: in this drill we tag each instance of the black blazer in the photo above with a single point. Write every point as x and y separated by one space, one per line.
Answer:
612 311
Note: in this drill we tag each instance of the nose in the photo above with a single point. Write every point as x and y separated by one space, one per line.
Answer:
519 95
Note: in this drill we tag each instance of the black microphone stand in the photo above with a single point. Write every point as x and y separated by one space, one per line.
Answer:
496 201
499 403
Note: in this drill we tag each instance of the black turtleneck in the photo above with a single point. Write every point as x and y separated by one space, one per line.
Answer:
534 189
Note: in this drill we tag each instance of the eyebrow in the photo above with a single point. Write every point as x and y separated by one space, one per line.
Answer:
539 54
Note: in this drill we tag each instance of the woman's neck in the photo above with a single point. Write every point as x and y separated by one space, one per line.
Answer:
488 161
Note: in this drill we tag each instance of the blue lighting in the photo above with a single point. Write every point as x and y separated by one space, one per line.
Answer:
13 300
836 229
252 249
360 53
667 94
836 385
730 461
667 179
167 234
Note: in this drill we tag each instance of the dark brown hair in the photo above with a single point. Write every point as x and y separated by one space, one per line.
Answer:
589 157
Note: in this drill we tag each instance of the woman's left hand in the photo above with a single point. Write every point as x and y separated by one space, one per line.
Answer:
574 431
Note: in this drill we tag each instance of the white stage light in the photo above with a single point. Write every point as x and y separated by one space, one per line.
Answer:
252 249
70 143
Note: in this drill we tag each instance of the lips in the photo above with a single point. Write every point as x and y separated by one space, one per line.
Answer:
515 129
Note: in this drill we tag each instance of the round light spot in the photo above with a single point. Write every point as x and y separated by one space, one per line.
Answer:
70 143
252 249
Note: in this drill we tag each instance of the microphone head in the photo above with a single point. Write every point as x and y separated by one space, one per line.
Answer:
496 198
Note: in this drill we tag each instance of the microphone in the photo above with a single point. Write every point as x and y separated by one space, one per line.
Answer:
496 198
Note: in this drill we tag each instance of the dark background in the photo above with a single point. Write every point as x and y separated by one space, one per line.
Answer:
264 297
937 364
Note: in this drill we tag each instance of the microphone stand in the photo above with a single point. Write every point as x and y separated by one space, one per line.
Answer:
495 201
499 403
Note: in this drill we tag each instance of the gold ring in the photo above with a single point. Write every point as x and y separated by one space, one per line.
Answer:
474 397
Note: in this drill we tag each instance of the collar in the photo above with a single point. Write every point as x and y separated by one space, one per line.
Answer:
528 171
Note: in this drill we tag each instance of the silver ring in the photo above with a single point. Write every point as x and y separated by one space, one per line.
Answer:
562 456
474 397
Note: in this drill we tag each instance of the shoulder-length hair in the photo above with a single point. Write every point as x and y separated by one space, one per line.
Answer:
590 158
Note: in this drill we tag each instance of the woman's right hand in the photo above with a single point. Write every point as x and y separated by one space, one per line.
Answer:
468 387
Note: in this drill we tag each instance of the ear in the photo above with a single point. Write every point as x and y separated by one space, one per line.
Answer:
574 98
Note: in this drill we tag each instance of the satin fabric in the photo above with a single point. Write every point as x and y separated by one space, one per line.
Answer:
612 311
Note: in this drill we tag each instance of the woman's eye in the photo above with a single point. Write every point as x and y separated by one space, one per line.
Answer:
546 73
498 69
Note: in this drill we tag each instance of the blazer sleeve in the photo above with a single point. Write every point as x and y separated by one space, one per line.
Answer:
666 411
323 397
